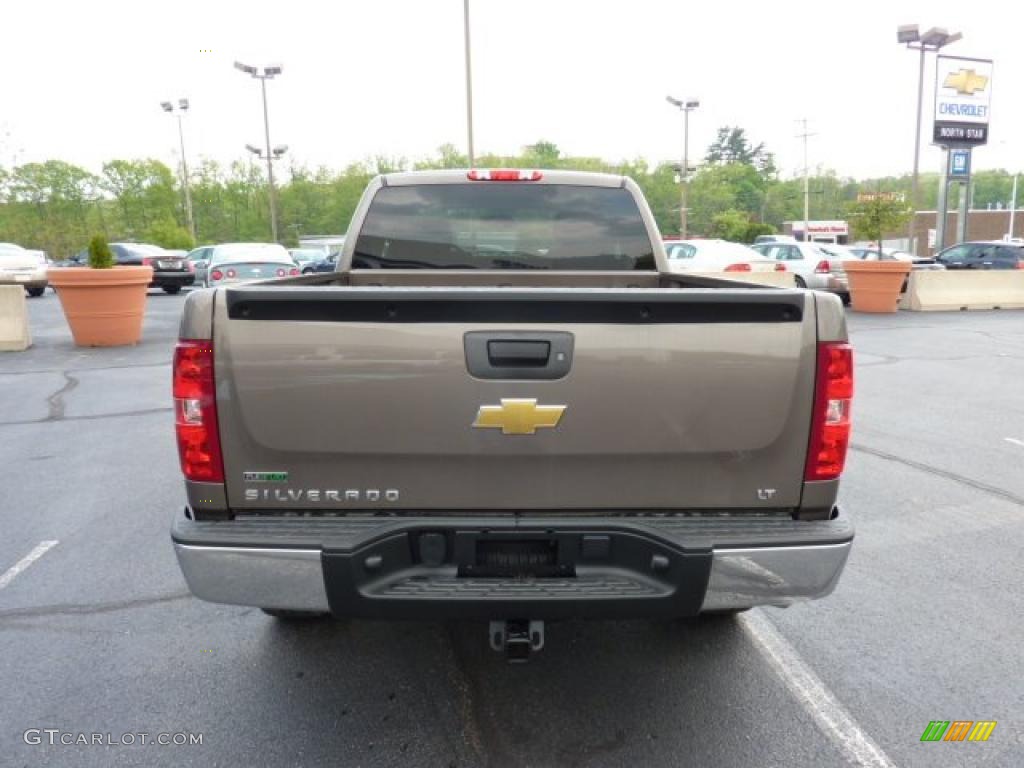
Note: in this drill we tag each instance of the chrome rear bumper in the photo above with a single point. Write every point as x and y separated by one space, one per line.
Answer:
294 578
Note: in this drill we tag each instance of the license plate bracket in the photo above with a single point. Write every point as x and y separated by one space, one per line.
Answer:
510 556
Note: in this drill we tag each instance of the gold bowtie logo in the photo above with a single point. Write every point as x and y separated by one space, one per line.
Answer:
518 416
966 81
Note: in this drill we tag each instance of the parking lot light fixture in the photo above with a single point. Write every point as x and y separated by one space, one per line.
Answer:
934 40
908 33
685 106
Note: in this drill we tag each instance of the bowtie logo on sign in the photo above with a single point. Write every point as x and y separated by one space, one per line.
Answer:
965 81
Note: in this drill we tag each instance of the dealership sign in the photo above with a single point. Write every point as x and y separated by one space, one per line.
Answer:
963 89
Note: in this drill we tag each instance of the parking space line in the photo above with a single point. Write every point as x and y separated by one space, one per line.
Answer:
813 694
40 549
1015 441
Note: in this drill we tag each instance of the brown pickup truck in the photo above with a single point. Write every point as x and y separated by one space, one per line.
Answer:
503 406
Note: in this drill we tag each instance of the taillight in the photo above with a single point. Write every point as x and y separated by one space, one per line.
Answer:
741 267
830 424
147 261
195 411
293 271
280 272
216 275
503 174
780 267
823 267
1020 264
231 273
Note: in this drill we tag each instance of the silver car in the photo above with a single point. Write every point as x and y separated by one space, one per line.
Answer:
245 262
810 263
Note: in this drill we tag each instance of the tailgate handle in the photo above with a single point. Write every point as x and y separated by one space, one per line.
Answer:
518 354
511 354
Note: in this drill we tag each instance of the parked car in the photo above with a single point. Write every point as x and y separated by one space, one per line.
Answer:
990 254
717 256
305 256
233 263
197 260
810 263
775 239
893 254
327 263
24 267
170 272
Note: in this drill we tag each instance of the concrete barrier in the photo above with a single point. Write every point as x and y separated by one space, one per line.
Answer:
956 289
14 335
780 279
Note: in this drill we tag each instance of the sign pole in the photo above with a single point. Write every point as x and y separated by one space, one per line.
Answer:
943 204
964 210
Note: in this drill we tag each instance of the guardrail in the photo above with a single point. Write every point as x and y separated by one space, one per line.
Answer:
964 289
14 334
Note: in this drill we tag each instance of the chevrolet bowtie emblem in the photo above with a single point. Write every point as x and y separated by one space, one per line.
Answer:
966 81
518 416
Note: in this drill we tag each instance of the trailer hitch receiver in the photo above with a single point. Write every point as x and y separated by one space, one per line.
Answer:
516 638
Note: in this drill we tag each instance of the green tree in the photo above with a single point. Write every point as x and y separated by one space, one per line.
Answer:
169 234
543 154
716 189
145 192
873 217
729 225
731 145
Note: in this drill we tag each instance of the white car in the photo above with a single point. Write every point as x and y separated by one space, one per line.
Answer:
717 256
810 263
233 263
24 267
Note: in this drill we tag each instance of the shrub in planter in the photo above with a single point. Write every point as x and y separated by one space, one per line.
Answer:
100 255
104 304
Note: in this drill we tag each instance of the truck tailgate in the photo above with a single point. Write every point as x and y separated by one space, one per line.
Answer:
362 398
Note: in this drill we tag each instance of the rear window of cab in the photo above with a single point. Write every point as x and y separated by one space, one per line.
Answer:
503 226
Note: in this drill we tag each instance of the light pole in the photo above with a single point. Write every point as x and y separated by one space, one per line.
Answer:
685 106
469 81
934 39
274 154
269 73
182 108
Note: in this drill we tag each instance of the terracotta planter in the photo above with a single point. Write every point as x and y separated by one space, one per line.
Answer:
875 285
104 307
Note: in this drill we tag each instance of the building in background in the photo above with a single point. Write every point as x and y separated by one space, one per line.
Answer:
981 225
836 232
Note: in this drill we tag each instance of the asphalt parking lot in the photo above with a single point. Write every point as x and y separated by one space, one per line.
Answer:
100 635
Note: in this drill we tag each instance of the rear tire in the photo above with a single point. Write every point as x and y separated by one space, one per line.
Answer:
800 282
172 289
284 614
36 292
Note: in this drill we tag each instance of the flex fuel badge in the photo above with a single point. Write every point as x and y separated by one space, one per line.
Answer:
265 477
